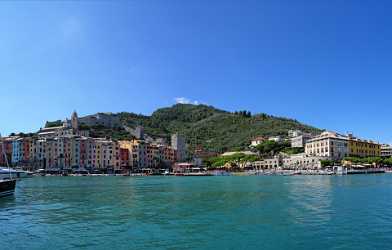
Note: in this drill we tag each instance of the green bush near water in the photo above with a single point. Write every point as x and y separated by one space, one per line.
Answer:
237 158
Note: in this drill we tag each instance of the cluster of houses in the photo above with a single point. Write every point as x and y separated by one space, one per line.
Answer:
68 147
325 146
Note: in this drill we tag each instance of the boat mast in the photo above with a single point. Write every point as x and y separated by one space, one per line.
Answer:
5 156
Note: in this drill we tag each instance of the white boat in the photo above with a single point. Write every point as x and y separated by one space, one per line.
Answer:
7 181
16 174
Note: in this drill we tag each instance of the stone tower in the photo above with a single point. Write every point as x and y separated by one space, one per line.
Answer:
178 143
75 121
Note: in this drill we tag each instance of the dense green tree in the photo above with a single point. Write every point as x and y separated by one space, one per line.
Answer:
53 124
236 159
326 163
291 151
387 161
272 147
365 160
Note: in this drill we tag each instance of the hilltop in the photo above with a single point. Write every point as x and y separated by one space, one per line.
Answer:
213 129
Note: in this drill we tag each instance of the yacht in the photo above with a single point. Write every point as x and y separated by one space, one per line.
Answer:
7 181
16 174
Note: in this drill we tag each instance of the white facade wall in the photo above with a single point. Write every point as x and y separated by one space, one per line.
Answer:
302 161
300 141
386 150
294 133
329 145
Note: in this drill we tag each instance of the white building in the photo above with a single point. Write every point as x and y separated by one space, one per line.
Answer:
269 163
294 133
302 161
386 150
257 141
300 141
298 161
329 144
276 138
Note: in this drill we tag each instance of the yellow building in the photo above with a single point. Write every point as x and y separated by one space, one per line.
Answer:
106 154
126 144
136 149
148 155
363 148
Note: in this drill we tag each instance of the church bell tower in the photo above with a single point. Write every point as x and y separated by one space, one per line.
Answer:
75 121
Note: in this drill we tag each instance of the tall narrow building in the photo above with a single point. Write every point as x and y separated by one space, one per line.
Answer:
139 133
75 121
178 144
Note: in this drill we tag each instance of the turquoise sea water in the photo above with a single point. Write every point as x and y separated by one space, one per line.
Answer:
258 212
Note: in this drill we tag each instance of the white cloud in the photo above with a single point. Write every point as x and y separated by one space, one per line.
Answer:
184 100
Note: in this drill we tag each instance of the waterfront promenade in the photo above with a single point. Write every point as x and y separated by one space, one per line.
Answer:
278 172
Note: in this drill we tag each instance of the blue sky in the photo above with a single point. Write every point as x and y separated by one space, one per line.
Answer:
325 63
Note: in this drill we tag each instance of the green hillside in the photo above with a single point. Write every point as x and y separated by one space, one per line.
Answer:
214 129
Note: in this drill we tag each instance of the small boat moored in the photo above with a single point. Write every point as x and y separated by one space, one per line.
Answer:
7 187
7 182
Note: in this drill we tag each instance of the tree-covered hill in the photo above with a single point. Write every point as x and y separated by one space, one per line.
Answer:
206 126
214 129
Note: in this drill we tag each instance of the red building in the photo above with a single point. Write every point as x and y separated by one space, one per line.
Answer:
26 147
7 146
124 158
83 153
169 155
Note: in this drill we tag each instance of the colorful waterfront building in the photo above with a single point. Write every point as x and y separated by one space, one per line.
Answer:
26 153
16 150
126 147
147 155
363 148
336 146
68 148
168 154
138 154
6 144
106 155
86 152
124 158
39 153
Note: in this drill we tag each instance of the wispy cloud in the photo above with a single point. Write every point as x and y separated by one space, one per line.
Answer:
184 100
